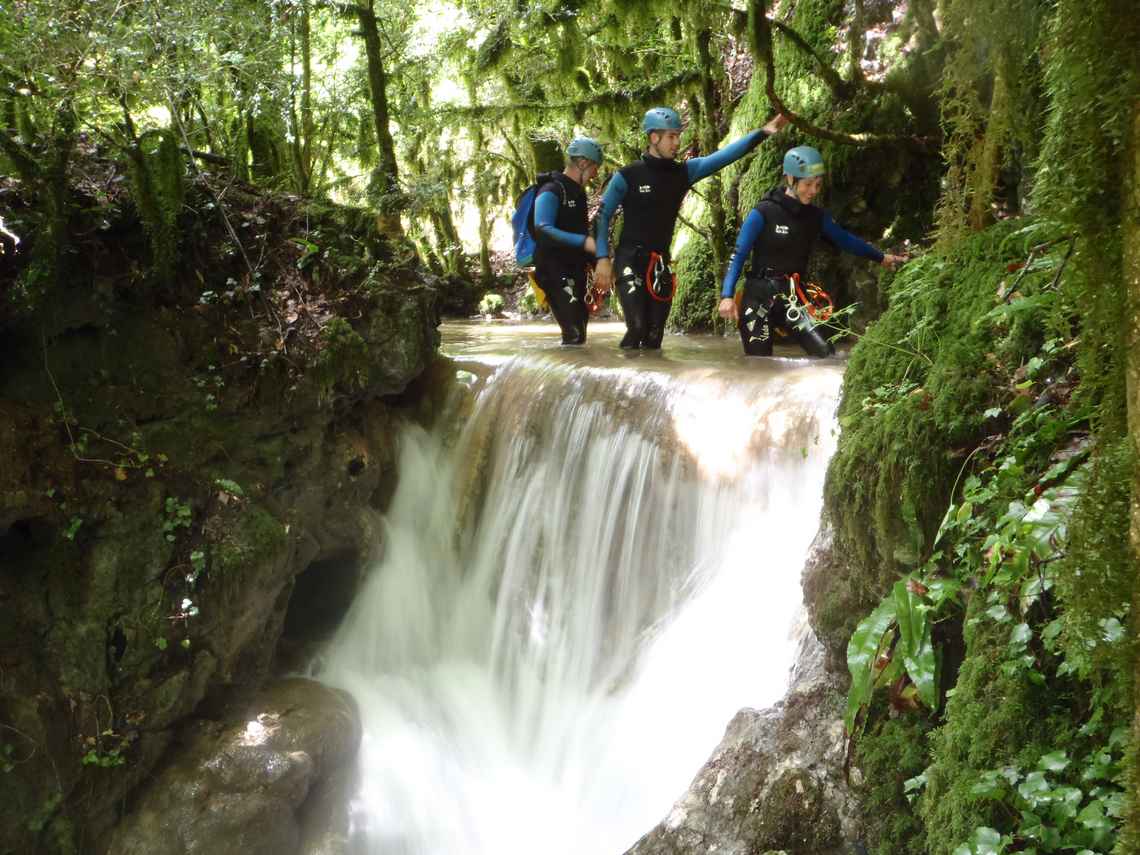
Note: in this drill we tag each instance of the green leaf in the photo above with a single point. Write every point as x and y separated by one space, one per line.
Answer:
999 613
986 841
862 652
1035 788
1112 630
1021 635
1092 817
915 643
964 513
992 413
1054 761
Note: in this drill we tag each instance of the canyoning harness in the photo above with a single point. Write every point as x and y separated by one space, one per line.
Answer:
660 281
595 299
810 298
799 299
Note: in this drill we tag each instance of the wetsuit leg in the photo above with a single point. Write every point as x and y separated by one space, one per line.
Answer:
630 286
755 322
566 292
805 332
658 313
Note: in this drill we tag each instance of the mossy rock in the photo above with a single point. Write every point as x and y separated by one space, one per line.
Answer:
994 718
888 753
914 394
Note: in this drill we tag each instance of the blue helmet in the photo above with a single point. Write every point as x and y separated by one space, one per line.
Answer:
803 161
585 147
661 119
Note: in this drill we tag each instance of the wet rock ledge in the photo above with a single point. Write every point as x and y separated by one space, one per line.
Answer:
775 784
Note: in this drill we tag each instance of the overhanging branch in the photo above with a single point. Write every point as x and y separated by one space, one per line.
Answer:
762 48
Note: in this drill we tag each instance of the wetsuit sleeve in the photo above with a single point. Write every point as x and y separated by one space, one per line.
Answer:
703 167
753 226
611 199
847 241
546 215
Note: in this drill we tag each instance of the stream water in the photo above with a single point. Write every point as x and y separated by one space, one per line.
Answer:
590 563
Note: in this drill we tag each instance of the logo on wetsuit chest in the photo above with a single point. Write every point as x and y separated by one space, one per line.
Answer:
645 188
571 203
781 230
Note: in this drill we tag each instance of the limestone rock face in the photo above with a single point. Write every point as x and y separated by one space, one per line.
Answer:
239 786
774 784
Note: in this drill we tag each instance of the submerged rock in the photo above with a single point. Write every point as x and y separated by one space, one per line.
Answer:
775 783
241 785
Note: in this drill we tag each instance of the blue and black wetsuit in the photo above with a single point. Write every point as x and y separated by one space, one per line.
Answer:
651 192
780 233
560 227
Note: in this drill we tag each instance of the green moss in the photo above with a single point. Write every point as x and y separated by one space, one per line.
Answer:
694 305
889 753
914 397
156 172
342 363
993 719
254 536
1095 578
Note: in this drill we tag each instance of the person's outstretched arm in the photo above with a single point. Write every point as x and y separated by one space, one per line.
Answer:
702 167
546 215
848 242
753 226
611 199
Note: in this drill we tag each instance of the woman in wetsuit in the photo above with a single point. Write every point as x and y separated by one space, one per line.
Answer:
779 234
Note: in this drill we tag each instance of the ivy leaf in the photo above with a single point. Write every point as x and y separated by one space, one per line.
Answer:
1054 761
1035 788
1020 637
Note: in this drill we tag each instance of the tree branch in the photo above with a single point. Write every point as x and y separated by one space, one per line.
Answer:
762 48
693 227
839 87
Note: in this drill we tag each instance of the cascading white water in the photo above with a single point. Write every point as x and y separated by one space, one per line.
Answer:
577 593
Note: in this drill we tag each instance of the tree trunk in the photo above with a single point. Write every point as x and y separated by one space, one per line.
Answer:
385 185
478 141
1130 228
710 136
302 143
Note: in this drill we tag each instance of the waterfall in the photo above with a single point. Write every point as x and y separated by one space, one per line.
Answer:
586 571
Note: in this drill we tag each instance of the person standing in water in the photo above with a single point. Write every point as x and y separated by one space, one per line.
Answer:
651 191
563 247
780 233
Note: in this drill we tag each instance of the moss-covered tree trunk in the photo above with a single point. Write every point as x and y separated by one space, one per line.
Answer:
478 142
385 184
303 126
1130 837
710 136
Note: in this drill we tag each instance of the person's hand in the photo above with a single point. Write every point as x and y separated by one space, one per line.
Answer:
727 309
892 261
603 276
590 246
774 126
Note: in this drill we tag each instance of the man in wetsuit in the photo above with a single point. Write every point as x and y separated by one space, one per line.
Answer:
563 248
780 233
651 191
